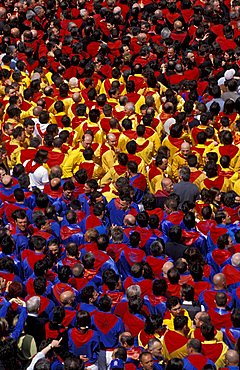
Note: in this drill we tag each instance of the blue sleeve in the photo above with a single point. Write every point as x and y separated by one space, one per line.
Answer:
4 309
20 324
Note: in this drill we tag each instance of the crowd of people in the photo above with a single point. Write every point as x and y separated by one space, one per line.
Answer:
119 184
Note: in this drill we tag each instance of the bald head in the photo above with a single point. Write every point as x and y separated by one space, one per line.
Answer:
232 358
129 220
167 266
55 183
166 183
55 172
37 110
66 298
76 97
177 25
236 260
219 281
185 149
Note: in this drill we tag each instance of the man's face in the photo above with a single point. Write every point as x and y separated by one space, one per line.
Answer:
67 193
54 249
22 223
170 53
87 189
123 205
94 296
164 164
9 130
176 310
112 141
22 137
87 142
157 350
197 320
30 129
169 186
227 219
147 362
185 151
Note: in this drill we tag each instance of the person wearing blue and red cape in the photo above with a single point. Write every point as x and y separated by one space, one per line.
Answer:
231 360
84 341
109 327
195 360
123 205
207 297
95 220
220 315
231 270
172 215
224 226
46 304
231 335
30 256
20 231
131 255
221 254
136 180
72 232
62 204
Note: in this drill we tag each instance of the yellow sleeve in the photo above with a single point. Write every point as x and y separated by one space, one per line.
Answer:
69 164
108 160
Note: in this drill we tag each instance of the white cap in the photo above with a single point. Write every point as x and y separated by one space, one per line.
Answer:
229 74
167 125
221 81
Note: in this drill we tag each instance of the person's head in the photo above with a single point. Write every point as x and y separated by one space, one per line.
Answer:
134 291
33 305
167 185
64 274
175 364
146 360
73 363
232 358
89 295
222 217
38 243
180 323
111 140
105 303
235 260
159 287
155 348
194 346
171 203
20 218
67 298
175 233
68 188
83 320
185 149
184 173
224 241
87 140
221 299
219 281
207 330
173 304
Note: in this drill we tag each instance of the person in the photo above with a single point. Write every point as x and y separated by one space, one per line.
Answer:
184 188
146 362
38 174
232 359
195 358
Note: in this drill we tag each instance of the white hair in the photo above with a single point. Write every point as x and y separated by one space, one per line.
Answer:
33 304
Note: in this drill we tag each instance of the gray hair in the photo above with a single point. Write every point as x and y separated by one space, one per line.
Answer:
33 304
133 291
184 173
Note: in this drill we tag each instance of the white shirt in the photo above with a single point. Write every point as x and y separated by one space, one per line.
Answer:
39 177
